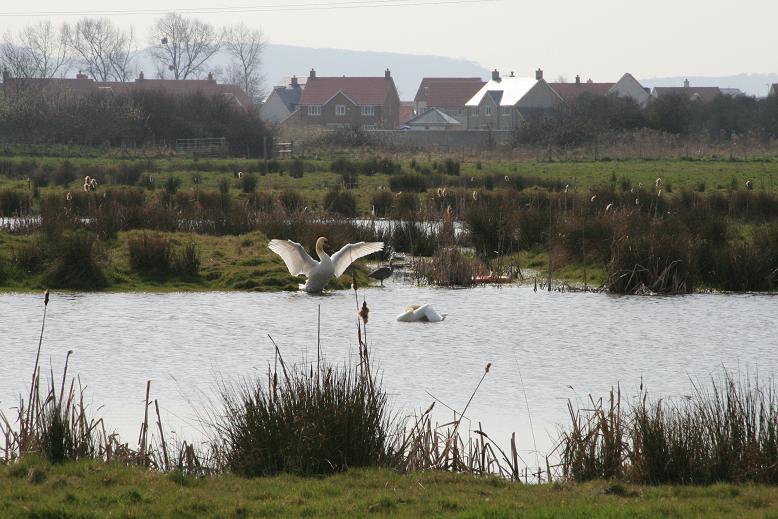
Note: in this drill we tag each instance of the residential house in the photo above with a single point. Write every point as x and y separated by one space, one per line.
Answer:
627 86
349 102
773 90
704 94
504 103
82 85
406 112
282 101
447 94
434 119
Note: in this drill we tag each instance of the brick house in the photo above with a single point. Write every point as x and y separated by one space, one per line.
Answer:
82 86
504 103
627 86
447 94
349 102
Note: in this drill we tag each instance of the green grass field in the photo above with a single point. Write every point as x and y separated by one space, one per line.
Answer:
318 179
89 490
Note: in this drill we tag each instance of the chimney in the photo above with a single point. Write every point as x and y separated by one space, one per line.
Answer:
210 76
495 75
6 75
686 83
387 74
312 75
512 74
141 77
539 74
577 79
294 82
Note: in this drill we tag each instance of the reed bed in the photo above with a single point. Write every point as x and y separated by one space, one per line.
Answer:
726 431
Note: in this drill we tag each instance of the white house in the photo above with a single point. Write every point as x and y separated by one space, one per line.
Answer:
282 101
505 102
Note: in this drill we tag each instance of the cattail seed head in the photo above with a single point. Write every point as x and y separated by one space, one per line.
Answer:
488 367
363 313
354 285
46 298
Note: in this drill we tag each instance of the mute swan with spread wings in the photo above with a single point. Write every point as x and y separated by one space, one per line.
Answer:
299 262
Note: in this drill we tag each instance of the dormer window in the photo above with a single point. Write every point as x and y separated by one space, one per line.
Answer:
488 110
474 111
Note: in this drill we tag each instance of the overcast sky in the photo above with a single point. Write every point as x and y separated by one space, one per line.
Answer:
600 39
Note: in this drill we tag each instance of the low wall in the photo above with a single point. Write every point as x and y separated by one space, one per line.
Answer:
443 140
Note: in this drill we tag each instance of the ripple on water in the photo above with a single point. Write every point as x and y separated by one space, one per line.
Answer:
184 342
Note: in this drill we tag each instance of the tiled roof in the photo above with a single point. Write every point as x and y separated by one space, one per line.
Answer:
361 90
570 91
448 92
86 86
704 94
81 86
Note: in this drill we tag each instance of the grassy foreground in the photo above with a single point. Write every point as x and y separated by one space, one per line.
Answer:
85 490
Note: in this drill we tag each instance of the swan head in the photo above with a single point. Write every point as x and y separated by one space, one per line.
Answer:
322 245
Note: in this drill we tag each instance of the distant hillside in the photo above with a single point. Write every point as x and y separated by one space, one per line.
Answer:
407 69
280 61
751 84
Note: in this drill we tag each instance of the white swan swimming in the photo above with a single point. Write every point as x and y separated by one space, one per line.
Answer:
299 262
420 314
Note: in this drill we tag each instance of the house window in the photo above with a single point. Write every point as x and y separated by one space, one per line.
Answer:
314 110
488 110
340 110
368 110
474 111
506 110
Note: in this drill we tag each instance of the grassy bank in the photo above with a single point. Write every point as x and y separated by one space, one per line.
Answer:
225 263
87 490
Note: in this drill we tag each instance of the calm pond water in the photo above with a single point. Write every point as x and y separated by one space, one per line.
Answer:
553 346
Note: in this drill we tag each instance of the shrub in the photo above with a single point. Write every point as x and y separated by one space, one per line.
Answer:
303 424
291 200
297 168
186 261
224 185
406 205
149 253
382 203
171 185
248 182
408 182
14 203
340 202
75 263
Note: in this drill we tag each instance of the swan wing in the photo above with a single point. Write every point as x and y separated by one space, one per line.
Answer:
297 260
352 252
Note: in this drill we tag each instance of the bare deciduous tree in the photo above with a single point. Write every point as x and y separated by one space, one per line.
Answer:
103 49
39 50
245 46
182 46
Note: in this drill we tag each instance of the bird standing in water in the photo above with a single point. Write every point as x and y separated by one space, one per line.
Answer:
383 273
319 273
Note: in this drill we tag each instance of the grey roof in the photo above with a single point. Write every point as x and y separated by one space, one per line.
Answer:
433 116
289 95
496 95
